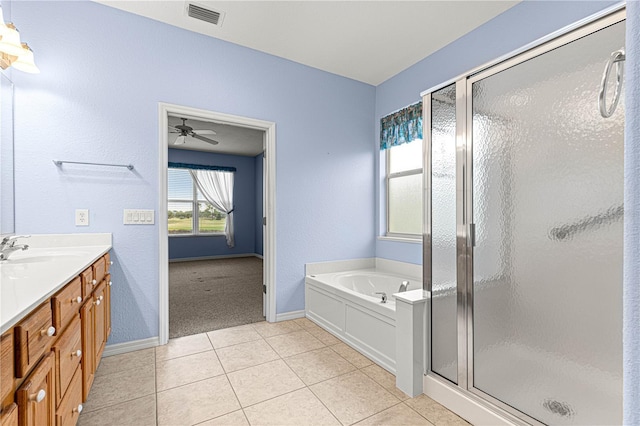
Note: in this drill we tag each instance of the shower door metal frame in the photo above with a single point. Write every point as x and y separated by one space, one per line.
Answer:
464 199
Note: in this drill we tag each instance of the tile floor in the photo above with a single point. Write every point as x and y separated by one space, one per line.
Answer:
286 373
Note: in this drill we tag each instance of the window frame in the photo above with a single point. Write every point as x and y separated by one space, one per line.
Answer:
387 179
195 216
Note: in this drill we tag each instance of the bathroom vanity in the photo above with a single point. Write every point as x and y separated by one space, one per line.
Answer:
55 315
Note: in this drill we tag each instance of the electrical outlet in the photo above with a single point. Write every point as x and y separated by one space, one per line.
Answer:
82 217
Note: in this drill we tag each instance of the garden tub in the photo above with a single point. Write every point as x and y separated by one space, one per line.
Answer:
346 304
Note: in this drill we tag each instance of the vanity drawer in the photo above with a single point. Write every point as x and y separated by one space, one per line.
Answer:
33 337
66 304
9 416
6 364
71 405
86 277
99 269
68 350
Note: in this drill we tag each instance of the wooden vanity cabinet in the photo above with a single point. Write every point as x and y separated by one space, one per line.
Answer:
36 396
48 360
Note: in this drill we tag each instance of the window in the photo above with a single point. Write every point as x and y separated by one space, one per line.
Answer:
404 189
188 211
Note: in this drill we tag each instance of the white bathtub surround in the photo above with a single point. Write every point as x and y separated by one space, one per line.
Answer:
51 261
340 297
411 309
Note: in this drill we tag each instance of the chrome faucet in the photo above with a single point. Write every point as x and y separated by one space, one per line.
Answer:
403 286
8 246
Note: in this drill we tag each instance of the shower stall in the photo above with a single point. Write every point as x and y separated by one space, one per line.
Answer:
524 230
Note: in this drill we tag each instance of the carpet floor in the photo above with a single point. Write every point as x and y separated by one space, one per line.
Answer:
206 295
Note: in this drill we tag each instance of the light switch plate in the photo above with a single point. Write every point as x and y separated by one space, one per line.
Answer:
138 217
82 217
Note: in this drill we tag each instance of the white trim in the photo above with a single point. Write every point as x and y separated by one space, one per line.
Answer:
416 240
164 109
135 345
222 256
259 256
465 405
542 40
290 315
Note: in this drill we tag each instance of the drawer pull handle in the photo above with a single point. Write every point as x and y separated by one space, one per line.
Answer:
77 353
78 410
38 397
97 302
76 299
48 332
94 282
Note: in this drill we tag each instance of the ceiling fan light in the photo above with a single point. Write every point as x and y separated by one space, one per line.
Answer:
180 140
10 41
25 61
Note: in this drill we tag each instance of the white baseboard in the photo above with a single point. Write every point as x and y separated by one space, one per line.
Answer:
136 345
289 315
224 256
259 256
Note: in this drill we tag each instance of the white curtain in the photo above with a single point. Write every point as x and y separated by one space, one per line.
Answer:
217 189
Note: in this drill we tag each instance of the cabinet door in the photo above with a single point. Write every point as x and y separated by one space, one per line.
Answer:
36 396
100 324
107 304
68 351
86 324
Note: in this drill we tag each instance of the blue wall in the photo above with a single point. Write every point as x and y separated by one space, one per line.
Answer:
259 171
244 199
509 31
103 72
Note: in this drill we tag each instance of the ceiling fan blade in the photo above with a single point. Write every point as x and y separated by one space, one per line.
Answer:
202 138
204 132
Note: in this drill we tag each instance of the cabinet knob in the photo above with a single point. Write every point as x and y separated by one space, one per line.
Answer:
77 353
94 282
101 297
38 397
78 409
97 302
111 262
77 299
48 332
110 283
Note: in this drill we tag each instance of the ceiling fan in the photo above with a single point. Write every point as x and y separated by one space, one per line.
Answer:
183 131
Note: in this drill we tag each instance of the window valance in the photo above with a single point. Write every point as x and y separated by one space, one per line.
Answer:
401 127
201 167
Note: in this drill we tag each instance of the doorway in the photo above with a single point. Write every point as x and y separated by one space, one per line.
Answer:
205 224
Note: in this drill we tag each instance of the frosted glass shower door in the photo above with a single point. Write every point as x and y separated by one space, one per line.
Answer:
547 175
444 310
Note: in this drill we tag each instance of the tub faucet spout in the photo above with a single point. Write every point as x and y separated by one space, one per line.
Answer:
403 286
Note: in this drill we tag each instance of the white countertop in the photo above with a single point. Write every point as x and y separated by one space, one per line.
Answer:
29 277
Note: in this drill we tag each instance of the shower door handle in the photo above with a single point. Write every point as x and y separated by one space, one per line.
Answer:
472 234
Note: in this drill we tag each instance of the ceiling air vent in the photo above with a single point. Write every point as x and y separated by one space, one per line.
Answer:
202 13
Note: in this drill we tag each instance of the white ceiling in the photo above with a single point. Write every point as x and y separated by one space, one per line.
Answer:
369 41
232 140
